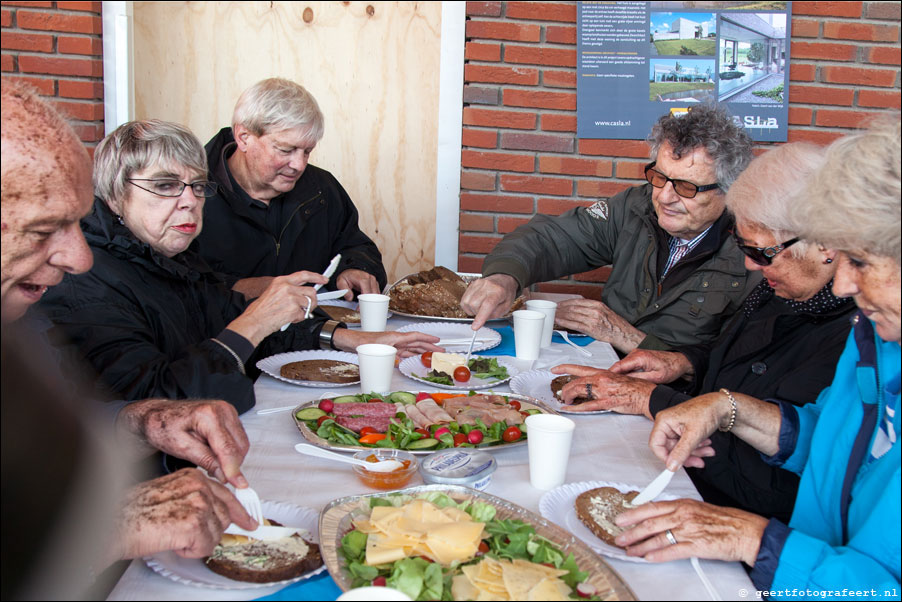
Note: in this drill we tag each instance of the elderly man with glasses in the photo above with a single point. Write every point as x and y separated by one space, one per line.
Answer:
676 275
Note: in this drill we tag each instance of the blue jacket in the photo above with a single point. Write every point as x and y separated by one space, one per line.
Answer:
840 538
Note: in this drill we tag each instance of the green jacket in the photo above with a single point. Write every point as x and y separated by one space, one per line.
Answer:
690 305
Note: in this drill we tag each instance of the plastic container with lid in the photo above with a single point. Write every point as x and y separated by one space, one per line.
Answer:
466 467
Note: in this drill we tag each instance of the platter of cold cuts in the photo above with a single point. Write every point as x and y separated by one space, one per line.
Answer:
419 422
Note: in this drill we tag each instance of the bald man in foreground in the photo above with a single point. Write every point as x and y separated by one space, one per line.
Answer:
46 190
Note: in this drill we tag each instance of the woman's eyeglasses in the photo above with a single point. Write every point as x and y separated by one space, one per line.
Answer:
765 255
685 189
169 187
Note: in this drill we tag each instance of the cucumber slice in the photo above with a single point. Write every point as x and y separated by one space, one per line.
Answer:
402 397
309 414
426 443
488 442
346 399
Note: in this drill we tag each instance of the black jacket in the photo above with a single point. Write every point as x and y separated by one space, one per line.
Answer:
147 322
318 220
774 354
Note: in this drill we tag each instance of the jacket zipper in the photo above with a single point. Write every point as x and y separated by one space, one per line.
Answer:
288 221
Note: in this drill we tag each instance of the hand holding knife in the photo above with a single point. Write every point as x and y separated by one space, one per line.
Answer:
333 265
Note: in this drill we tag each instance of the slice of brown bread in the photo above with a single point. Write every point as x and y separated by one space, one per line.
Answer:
244 559
558 383
342 314
329 371
597 509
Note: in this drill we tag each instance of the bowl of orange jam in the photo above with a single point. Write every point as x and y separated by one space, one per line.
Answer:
386 480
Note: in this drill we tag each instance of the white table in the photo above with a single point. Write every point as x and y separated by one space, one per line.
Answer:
606 447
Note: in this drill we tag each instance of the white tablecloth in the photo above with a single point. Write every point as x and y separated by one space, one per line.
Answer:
607 447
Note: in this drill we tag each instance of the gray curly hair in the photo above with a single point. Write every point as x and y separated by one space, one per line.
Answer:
853 202
712 128
137 145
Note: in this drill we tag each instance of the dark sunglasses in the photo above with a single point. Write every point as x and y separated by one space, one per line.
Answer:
763 256
685 189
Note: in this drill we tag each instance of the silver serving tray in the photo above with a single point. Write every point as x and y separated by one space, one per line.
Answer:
468 277
313 438
336 518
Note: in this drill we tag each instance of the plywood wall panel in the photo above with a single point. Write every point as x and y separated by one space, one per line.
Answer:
373 68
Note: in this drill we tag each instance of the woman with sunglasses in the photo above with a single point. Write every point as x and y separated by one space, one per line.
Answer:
152 317
843 540
782 344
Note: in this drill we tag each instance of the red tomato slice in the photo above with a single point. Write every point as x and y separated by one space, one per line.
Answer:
514 404
459 439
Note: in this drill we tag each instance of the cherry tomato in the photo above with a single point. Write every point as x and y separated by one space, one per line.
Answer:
511 434
524 414
326 405
367 430
483 546
475 436
514 404
379 581
321 420
426 358
422 396
422 431
462 374
459 439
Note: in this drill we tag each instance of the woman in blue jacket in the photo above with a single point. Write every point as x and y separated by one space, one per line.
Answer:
843 539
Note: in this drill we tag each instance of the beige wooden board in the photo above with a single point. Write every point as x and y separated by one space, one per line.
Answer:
375 77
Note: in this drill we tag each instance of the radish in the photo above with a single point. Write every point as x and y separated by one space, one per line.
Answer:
475 436
326 405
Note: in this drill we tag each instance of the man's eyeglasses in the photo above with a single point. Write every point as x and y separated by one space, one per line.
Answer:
763 256
685 189
174 188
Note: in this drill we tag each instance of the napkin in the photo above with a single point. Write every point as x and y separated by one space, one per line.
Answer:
320 587
507 342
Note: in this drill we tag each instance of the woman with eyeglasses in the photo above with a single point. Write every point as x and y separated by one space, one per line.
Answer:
782 344
151 317
844 534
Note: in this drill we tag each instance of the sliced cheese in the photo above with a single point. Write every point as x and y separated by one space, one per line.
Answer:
447 362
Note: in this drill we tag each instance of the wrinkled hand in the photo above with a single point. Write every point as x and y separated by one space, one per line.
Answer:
701 530
283 301
206 432
184 512
599 321
407 343
357 280
680 434
489 297
654 366
622 394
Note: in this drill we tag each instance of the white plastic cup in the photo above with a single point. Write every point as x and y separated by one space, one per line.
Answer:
548 309
370 593
377 364
528 325
548 438
373 312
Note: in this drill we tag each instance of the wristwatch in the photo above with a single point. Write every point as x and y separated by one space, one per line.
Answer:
327 334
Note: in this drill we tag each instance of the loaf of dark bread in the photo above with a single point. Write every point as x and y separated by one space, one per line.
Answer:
329 371
558 383
244 559
597 509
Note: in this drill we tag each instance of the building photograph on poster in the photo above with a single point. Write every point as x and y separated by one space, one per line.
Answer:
638 60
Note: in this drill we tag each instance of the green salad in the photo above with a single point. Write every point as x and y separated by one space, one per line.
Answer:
422 579
480 367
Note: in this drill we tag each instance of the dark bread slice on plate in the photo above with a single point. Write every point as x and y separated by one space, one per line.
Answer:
558 383
597 509
244 559
328 371
342 314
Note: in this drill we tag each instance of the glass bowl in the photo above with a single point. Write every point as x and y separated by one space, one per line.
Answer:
386 480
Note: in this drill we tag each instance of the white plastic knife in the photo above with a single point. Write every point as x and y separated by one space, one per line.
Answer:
654 488
333 265
265 532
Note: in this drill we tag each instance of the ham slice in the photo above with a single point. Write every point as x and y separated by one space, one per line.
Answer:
488 408
418 417
433 412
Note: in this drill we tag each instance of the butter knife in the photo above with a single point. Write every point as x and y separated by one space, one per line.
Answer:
333 265
654 488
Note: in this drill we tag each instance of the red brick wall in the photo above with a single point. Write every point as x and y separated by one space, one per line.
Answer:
520 152
56 47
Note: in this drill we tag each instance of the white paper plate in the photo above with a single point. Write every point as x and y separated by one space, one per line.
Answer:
414 369
193 571
350 305
273 364
537 383
559 506
451 330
